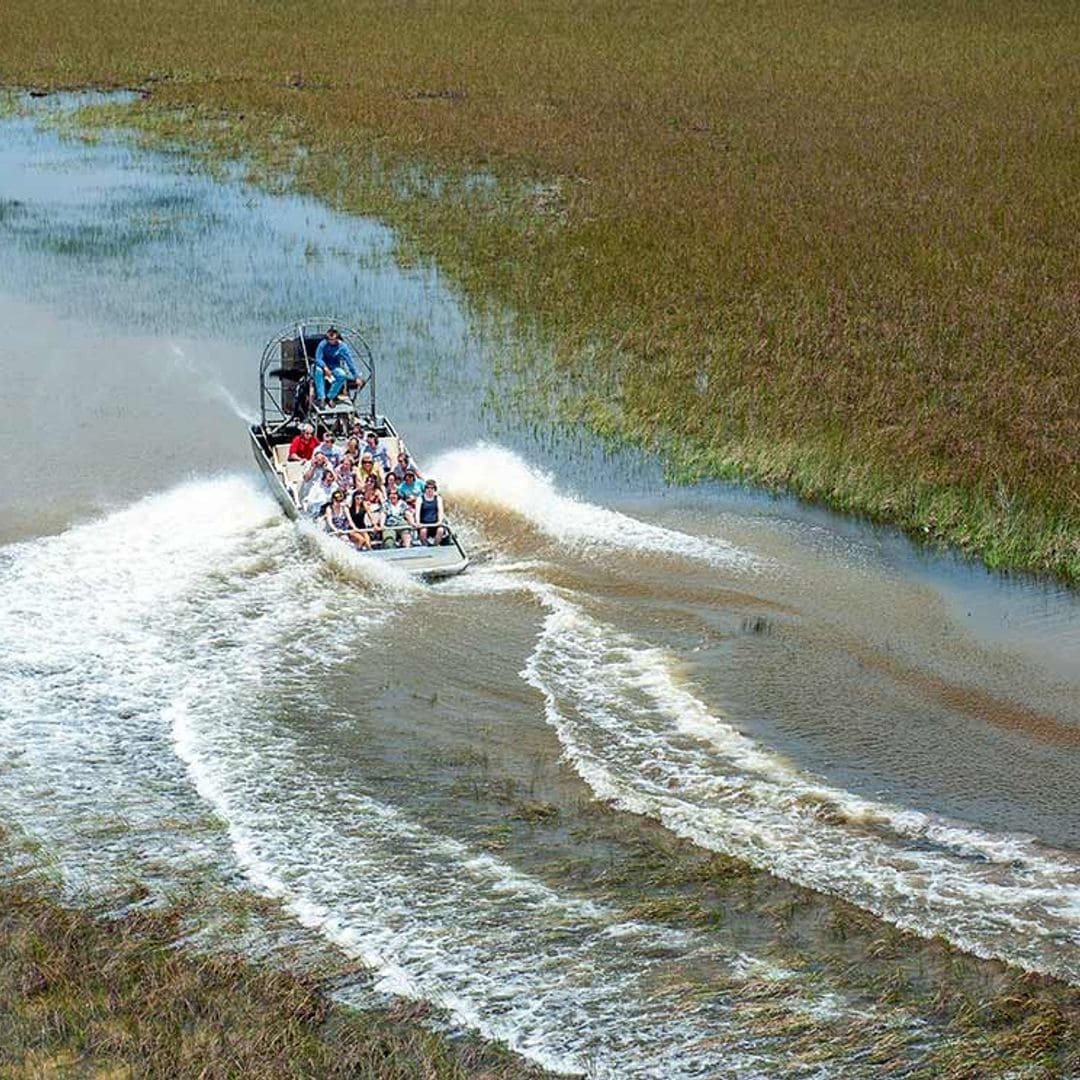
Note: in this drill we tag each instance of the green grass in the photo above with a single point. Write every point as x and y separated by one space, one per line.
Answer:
830 246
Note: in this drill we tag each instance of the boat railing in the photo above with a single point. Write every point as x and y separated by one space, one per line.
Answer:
448 532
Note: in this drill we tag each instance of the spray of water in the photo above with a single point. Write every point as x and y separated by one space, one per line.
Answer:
496 477
209 383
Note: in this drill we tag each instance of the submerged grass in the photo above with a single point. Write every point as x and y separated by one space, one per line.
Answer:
84 993
828 246
919 1008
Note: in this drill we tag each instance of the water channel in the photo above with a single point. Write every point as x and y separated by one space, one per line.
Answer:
448 781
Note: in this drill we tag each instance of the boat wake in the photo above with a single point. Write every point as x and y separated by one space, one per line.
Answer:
152 699
652 747
167 709
493 477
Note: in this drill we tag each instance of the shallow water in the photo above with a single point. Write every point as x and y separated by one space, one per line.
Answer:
189 685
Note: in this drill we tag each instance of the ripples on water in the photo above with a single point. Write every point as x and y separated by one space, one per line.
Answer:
190 685
209 645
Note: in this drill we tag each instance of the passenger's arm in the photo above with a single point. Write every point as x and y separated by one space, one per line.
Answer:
350 363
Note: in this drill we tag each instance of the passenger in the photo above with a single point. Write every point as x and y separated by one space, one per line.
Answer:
374 506
353 448
378 453
414 509
411 487
398 515
368 467
304 444
403 465
334 360
391 484
346 474
339 522
320 493
359 517
326 445
318 466
430 518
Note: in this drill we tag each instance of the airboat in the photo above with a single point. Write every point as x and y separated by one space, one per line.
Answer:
287 401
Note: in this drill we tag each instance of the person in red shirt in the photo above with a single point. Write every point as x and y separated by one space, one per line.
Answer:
303 446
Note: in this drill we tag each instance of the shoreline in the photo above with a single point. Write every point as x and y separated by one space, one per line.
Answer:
497 228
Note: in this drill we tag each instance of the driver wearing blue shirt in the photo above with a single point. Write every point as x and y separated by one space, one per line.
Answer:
333 360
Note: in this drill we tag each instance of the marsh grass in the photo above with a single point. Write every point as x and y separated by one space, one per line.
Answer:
827 246
85 994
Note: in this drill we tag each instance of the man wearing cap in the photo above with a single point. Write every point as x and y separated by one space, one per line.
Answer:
411 487
333 360
303 445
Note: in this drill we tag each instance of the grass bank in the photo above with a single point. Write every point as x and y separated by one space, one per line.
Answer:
827 246
91 994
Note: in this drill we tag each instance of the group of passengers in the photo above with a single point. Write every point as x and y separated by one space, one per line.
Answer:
362 496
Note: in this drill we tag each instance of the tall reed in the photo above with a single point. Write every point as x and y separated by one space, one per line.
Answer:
828 245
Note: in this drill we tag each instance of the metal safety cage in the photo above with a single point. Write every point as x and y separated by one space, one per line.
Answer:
285 379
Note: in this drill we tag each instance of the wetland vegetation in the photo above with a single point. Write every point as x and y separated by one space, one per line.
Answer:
92 993
823 247
827 247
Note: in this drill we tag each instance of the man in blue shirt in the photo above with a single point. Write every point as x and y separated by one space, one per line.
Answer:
334 360
410 487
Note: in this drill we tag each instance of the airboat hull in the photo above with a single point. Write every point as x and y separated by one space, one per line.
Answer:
440 561
287 401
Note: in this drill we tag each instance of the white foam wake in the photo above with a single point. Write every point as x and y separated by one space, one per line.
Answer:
83 632
566 982
188 638
495 476
569 983
652 747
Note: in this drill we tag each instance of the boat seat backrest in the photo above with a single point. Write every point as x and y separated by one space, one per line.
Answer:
392 446
294 473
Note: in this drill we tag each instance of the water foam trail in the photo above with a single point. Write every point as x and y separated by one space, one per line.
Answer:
652 747
509 483
210 626
84 679
567 982
392 580
189 622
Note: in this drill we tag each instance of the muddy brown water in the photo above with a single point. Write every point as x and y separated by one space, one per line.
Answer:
449 782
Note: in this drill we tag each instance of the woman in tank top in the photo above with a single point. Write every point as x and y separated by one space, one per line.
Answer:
339 522
358 520
430 514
